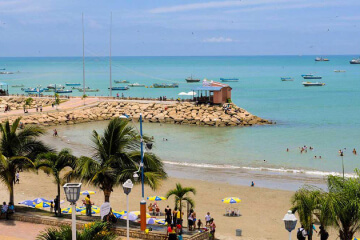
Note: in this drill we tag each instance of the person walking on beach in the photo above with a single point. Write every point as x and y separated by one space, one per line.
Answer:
212 229
17 177
207 219
55 134
194 220
324 235
56 207
168 215
190 220
88 205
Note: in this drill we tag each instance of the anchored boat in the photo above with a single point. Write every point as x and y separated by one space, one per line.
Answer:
191 79
63 91
287 79
136 85
163 85
73 84
229 79
87 89
119 88
339 70
313 84
321 59
355 61
121 81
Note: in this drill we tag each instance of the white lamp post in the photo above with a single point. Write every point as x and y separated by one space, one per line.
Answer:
72 192
290 222
127 186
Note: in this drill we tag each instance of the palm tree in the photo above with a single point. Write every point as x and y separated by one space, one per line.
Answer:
92 231
345 196
52 163
181 194
116 157
18 149
305 201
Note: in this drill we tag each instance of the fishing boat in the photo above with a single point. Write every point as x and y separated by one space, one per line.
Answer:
229 79
312 77
72 84
87 89
307 75
339 70
33 90
57 86
312 84
166 85
287 79
64 91
355 61
191 79
6 73
136 85
321 59
18 85
119 88
121 81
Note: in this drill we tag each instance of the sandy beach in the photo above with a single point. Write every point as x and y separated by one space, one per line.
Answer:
262 209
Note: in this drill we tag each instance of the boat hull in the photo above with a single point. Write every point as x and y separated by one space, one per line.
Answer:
72 84
312 77
310 84
192 80
119 88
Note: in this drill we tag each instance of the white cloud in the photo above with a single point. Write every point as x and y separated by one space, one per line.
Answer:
219 4
218 40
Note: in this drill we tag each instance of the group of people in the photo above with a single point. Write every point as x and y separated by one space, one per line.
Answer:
302 233
7 209
38 108
163 98
154 209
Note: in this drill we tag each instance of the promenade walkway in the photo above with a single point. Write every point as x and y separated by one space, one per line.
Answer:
72 103
16 230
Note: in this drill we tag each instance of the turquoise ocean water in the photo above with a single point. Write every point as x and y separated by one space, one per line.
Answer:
326 118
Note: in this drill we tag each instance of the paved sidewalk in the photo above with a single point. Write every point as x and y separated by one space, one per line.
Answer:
72 103
16 230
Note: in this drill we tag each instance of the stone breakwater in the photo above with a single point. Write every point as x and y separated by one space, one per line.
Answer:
177 113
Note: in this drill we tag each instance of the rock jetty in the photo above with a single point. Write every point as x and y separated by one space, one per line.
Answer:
18 102
153 112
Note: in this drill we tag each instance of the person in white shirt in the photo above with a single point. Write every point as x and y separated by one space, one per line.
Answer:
207 219
17 178
4 208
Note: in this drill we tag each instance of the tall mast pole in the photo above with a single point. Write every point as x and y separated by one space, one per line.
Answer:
83 57
110 54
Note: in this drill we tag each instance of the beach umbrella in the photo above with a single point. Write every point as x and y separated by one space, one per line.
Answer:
121 213
42 205
87 192
132 217
231 200
39 200
137 213
161 221
182 94
69 209
191 93
117 214
156 198
150 221
29 203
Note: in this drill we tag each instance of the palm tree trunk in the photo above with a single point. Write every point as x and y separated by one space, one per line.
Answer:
180 208
11 191
107 194
58 203
346 234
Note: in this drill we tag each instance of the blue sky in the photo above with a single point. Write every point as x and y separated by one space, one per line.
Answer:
182 27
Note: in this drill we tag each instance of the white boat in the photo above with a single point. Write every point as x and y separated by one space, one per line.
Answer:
88 90
355 61
312 84
287 79
57 86
339 70
136 85
121 81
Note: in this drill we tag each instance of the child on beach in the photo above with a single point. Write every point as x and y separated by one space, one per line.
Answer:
199 224
207 219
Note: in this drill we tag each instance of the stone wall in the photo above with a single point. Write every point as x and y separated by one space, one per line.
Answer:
177 113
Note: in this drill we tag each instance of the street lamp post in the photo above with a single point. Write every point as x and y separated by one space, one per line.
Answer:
290 222
72 192
127 186
342 160
148 146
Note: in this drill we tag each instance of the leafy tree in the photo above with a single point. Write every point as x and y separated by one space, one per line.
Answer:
18 148
305 202
28 102
91 231
345 196
116 157
182 194
52 163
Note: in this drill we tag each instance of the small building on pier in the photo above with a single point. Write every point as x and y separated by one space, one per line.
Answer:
212 92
